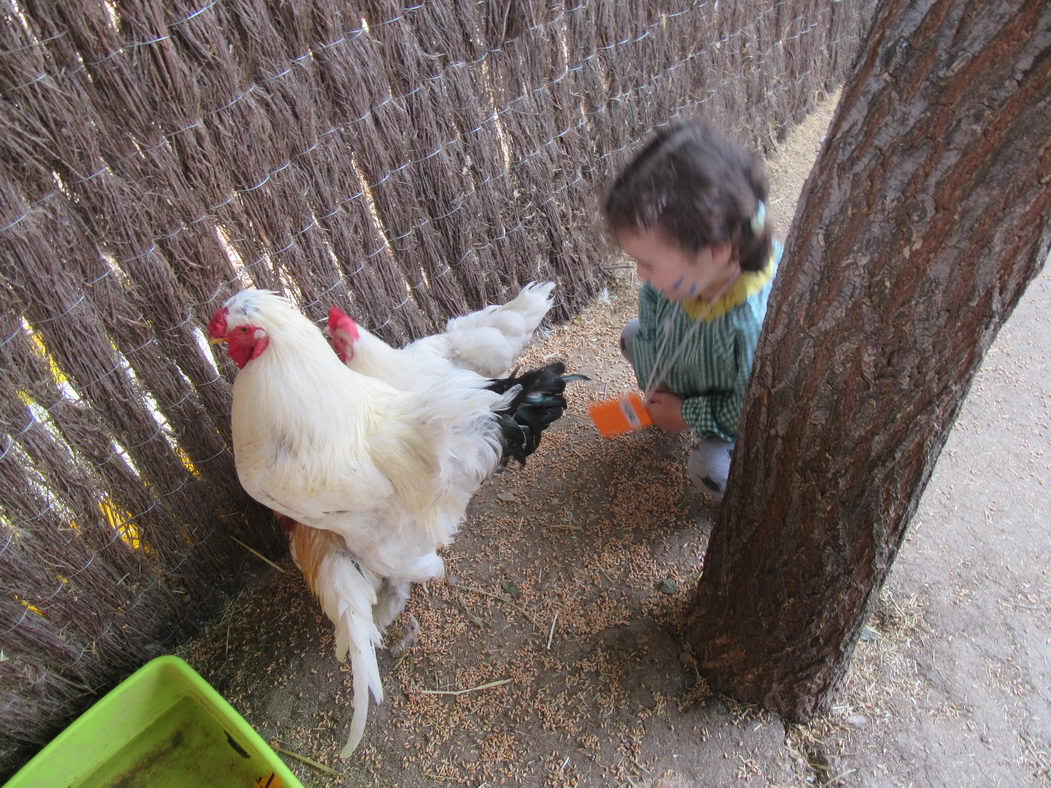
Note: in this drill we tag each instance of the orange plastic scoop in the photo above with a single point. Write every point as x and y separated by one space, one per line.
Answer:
617 416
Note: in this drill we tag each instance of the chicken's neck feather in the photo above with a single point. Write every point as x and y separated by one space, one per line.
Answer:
374 357
298 386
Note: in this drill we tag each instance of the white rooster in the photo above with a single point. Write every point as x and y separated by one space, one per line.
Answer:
374 478
486 342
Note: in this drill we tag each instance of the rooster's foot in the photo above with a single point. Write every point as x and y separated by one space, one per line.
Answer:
412 631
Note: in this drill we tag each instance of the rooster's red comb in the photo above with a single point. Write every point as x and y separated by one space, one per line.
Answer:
338 320
217 325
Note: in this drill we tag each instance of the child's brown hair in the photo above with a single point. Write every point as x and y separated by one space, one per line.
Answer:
697 188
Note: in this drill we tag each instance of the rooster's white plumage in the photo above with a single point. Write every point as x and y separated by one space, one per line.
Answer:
486 342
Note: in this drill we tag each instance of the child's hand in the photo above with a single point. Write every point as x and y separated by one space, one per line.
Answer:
665 408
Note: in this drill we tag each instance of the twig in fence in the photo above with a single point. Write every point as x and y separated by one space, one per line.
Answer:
308 761
490 685
258 555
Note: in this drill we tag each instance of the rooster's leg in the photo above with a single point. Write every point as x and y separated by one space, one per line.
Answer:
412 631
390 602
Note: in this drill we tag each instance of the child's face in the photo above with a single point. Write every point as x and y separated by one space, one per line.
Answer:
676 272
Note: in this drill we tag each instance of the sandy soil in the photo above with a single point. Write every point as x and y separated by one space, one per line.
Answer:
558 624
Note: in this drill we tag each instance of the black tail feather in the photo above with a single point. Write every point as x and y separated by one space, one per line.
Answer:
536 406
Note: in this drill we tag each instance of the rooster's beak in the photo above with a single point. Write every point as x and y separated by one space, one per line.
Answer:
216 340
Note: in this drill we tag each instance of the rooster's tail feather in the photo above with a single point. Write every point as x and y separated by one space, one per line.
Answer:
357 636
538 403
489 340
347 593
366 677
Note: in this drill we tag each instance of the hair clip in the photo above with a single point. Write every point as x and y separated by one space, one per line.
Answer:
759 218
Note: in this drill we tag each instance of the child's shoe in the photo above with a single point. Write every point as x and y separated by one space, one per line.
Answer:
709 466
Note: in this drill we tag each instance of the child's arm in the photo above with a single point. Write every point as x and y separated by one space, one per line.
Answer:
646 342
718 414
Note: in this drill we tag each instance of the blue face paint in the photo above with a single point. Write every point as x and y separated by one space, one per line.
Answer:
693 289
677 284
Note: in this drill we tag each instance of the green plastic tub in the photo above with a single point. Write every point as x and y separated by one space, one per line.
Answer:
163 727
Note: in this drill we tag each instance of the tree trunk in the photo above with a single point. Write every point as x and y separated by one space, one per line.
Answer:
924 219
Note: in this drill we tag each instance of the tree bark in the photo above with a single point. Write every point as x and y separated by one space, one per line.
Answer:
924 219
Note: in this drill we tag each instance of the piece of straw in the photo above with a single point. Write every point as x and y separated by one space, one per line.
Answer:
506 601
463 691
258 555
308 761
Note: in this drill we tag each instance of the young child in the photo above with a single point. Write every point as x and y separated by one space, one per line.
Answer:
691 211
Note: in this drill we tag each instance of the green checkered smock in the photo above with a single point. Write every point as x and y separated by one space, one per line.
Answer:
712 372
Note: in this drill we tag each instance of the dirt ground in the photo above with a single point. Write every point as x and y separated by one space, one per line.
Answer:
550 655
